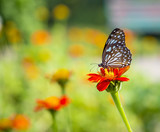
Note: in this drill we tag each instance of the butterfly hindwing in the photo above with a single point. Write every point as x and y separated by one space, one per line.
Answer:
120 57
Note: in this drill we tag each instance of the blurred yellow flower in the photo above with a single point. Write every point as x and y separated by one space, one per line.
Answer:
149 44
12 32
42 13
31 70
20 122
40 37
14 35
44 55
76 50
75 34
61 76
61 12
5 124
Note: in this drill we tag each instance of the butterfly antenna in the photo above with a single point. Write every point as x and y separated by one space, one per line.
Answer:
94 63
97 68
93 66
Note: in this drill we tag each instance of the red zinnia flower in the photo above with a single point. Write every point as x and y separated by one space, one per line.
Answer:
105 76
52 103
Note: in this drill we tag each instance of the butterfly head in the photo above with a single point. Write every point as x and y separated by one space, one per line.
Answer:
102 65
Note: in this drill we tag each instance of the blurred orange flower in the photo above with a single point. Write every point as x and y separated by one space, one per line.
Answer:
61 12
40 37
76 50
20 122
95 37
31 70
75 34
130 37
52 103
5 124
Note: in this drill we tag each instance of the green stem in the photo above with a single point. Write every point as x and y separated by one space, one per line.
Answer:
67 115
118 104
54 124
69 128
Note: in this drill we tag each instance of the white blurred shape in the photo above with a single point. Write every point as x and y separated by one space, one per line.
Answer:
149 66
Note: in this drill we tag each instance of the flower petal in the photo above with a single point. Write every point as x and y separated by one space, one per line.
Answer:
122 79
64 101
101 86
94 77
123 70
116 71
40 105
102 71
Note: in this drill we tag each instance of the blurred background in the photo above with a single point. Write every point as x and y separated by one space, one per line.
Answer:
37 38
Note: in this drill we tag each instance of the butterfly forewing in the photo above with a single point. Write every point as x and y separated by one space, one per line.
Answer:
117 36
115 53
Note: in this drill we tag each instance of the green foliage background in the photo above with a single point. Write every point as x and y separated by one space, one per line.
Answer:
90 110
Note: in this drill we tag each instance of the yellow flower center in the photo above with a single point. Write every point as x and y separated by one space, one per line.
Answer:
52 101
61 74
109 75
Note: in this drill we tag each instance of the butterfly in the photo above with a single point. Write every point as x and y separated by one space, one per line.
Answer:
115 53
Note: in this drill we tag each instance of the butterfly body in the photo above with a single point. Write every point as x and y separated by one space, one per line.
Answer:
115 53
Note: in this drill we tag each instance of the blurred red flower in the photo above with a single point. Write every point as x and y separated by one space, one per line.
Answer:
64 101
52 103
105 76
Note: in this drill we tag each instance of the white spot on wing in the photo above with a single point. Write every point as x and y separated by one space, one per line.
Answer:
108 50
106 56
115 41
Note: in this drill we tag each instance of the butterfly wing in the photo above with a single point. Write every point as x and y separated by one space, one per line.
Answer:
115 53
119 57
